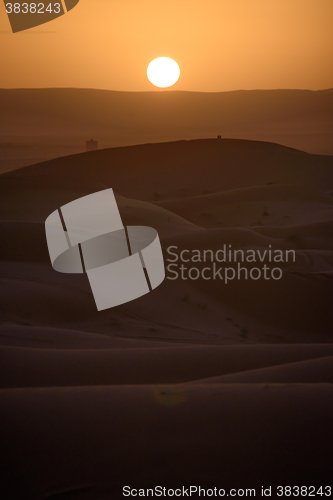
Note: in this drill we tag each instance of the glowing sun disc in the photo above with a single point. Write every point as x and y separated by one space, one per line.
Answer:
163 72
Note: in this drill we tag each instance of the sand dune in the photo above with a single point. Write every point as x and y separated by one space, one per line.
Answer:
277 205
135 366
313 371
238 174
157 172
34 336
199 382
89 442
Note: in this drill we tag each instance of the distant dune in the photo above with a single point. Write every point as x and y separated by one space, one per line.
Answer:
301 119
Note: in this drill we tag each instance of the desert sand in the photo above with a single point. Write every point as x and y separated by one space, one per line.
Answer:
198 382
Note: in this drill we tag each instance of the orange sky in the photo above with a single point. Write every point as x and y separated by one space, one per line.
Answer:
219 45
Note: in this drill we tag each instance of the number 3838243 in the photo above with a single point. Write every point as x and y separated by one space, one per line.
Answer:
33 8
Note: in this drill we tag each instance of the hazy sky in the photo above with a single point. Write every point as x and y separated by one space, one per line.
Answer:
219 45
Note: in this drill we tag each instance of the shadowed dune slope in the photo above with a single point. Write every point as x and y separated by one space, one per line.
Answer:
213 383
159 365
89 442
157 172
198 195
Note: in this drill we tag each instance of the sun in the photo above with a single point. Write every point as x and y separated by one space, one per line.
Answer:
163 72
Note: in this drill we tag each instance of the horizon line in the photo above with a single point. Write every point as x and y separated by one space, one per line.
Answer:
171 90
